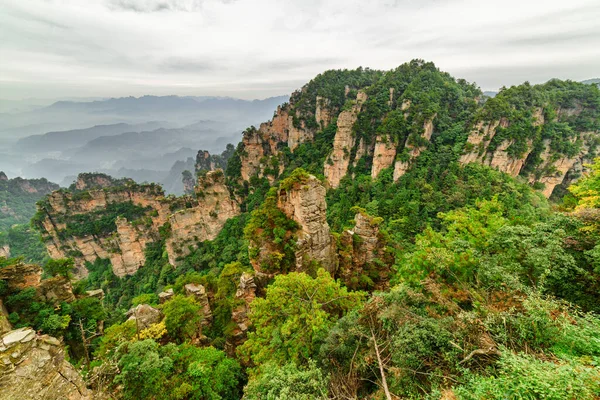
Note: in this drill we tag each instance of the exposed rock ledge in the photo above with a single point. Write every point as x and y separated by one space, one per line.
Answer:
34 367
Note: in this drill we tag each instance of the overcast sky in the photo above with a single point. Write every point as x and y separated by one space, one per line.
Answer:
260 48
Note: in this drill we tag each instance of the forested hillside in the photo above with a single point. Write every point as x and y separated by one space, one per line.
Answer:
388 234
17 205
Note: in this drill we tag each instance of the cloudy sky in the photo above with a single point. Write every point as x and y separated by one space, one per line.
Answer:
260 48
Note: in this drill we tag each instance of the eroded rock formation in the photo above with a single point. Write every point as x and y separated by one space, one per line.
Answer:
144 315
245 294
305 203
199 293
336 165
187 221
204 221
34 367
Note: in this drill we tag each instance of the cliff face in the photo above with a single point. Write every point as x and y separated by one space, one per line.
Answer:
543 143
245 294
360 249
34 367
117 223
305 203
336 165
205 220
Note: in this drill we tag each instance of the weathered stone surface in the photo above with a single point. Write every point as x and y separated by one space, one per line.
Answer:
191 221
245 294
5 325
305 204
336 165
5 251
56 290
323 112
199 293
34 367
359 249
384 154
203 222
97 293
165 296
145 315
21 276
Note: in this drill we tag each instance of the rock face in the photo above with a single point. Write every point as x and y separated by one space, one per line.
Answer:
245 294
166 296
5 251
414 149
199 293
21 276
145 316
5 325
360 247
34 367
384 154
336 165
187 221
305 204
205 221
551 167
56 290
3 176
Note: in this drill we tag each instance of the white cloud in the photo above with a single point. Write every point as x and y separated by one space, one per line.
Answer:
257 48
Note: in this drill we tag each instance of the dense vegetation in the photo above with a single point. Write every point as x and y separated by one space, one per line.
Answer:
489 290
17 205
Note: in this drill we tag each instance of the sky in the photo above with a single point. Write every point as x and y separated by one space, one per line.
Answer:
260 48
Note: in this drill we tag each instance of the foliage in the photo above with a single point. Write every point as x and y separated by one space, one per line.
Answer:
182 317
288 382
293 319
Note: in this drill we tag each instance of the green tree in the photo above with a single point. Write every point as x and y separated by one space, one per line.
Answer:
144 372
60 267
288 382
182 317
294 317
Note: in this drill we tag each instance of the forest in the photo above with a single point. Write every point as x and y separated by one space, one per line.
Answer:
478 288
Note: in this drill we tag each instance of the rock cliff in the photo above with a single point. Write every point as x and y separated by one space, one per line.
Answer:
117 222
34 367
304 203
203 221
336 165
543 143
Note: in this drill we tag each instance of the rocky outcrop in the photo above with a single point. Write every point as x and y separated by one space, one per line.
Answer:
203 222
304 202
165 296
19 276
336 165
323 112
549 169
245 294
87 181
34 367
5 325
186 221
199 293
145 316
414 148
359 248
3 176
5 251
56 290
479 139
384 154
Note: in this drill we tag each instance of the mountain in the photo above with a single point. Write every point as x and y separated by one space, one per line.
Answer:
591 81
69 115
59 141
385 233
